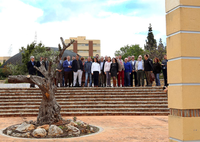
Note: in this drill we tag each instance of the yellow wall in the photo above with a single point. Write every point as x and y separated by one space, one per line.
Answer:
81 48
183 41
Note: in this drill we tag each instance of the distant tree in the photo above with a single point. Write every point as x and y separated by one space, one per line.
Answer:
151 47
151 43
4 61
127 50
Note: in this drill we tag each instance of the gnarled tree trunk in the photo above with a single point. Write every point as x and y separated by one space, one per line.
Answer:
49 111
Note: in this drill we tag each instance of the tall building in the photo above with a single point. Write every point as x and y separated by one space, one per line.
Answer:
2 59
84 47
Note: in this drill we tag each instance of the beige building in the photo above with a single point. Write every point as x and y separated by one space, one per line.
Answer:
4 58
84 47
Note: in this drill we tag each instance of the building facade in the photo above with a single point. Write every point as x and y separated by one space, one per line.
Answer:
84 47
2 59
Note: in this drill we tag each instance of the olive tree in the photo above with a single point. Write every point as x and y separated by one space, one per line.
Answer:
49 111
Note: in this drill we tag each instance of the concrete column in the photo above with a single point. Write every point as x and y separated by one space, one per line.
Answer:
75 47
90 48
183 51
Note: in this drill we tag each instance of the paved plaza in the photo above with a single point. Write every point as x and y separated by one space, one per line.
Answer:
115 129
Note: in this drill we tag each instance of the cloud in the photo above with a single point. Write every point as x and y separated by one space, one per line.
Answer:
95 20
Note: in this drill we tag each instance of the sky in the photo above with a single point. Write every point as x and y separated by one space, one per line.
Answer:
115 22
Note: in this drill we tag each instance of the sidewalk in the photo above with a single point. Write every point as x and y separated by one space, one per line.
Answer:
115 129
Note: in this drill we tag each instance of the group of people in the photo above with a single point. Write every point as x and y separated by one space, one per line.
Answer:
98 72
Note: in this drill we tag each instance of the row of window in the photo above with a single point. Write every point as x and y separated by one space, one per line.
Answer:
81 44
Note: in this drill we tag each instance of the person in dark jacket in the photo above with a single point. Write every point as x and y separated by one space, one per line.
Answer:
77 68
39 63
148 68
164 69
127 72
133 63
157 70
88 74
31 69
67 66
114 71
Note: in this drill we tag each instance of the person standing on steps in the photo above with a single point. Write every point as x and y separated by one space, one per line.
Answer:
114 70
67 66
157 70
88 74
148 68
31 69
102 77
164 69
107 71
139 67
127 72
77 68
83 74
120 76
133 62
59 73
95 70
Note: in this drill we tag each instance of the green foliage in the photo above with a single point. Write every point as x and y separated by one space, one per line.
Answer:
33 49
4 72
16 69
151 47
127 50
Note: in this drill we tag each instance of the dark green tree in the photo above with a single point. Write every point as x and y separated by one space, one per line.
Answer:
127 50
151 47
151 43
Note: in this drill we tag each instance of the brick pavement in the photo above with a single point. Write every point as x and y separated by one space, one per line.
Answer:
115 129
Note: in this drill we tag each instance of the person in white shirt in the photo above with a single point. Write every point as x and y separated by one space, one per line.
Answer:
139 67
107 71
95 70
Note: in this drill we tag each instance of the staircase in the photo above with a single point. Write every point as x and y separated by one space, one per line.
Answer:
87 101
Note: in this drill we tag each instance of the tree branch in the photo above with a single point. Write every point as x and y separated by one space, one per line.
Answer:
64 46
39 81
42 70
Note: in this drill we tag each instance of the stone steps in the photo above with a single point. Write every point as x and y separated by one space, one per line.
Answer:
82 91
85 96
82 101
90 106
106 113
85 102
87 99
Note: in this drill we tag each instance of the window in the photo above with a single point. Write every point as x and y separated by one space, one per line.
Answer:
96 44
80 44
